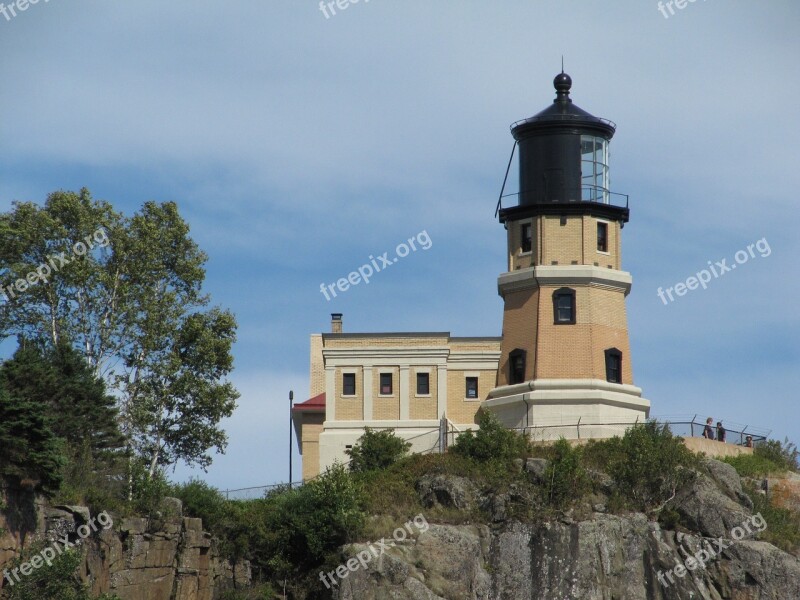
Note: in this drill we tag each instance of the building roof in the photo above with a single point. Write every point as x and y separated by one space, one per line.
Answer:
315 404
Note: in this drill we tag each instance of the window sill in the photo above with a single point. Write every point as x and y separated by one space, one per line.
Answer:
349 396
423 396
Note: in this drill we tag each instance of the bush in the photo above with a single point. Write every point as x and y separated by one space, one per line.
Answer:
293 530
785 455
50 581
783 524
648 464
492 441
147 492
565 477
202 501
769 457
376 450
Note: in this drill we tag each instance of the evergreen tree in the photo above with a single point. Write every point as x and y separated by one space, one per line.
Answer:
75 401
29 450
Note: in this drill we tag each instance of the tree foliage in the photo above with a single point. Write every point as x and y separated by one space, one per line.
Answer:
492 441
565 478
29 450
648 464
127 293
376 450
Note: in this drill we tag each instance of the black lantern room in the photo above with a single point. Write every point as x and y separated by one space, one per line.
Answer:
564 161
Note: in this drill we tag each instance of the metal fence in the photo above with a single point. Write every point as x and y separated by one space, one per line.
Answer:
446 434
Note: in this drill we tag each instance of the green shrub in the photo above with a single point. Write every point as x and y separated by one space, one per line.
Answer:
202 501
784 455
293 530
767 458
648 464
376 450
783 524
492 441
57 580
565 477
147 492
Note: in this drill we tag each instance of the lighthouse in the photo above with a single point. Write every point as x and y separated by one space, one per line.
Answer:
565 365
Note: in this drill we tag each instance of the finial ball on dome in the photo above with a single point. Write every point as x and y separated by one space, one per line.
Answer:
562 82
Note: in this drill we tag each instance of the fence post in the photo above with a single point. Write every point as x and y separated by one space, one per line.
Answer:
691 425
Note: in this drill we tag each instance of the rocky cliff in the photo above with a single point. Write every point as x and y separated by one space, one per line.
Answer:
586 554
170 558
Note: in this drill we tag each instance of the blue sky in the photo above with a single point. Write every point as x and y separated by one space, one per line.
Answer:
298 145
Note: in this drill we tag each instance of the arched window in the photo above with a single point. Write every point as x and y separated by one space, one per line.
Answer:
564 306
613 365
516 366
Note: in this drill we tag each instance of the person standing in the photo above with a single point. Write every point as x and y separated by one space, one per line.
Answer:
721 433
708 430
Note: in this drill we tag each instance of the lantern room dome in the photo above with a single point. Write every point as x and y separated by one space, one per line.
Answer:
563 112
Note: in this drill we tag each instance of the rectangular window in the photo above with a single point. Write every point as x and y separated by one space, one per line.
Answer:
564 306
423 384
516 364
349 384
386 384
602 237
472 387
614 366
527 240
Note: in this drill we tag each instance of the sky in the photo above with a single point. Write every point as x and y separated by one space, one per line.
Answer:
299 142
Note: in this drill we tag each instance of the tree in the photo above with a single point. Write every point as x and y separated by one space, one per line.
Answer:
376 450
78 408
29 450
127 293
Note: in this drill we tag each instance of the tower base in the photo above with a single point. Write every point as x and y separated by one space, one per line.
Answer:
548 409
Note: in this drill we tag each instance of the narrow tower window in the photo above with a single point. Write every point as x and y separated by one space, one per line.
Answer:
613 365
516 366
564 306
349 384
527 240
602 236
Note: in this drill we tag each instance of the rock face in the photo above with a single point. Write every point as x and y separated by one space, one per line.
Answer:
602 557
135 558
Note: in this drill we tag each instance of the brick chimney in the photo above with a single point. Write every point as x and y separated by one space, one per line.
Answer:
336 323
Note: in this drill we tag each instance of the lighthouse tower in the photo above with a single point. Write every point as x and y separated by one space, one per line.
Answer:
565 363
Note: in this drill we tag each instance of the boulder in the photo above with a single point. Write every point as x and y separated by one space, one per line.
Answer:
448 491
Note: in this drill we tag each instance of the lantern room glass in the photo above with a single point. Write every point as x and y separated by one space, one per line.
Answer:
594 169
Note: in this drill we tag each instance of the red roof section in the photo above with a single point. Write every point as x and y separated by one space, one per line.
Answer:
317 403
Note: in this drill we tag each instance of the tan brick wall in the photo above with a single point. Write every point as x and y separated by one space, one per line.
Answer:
519 331
591 255
317 368
349 408
477 346
385 407
578 351
384 342
575 242
460 410
423 407
311 427
562 243
516 260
